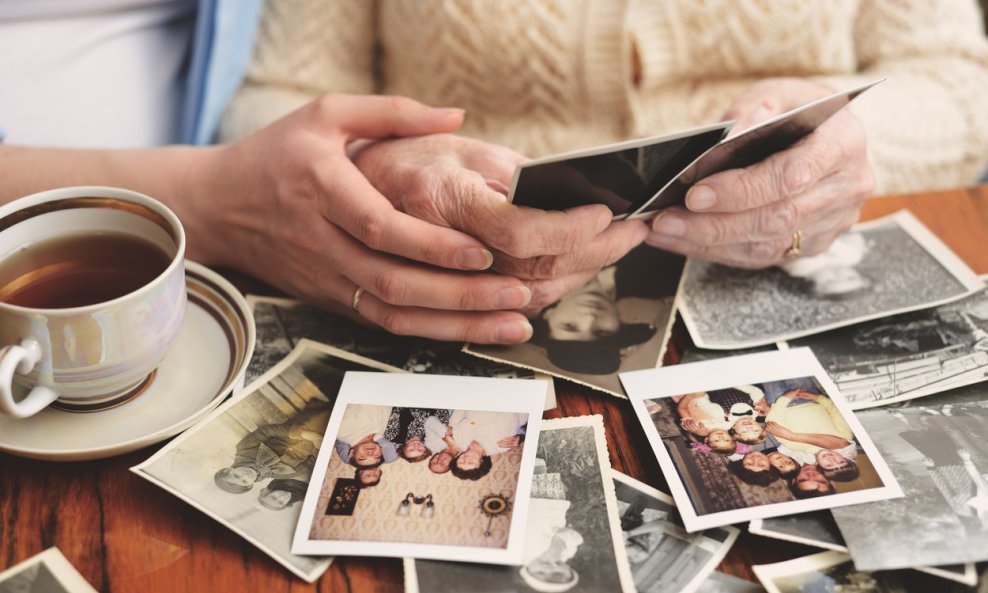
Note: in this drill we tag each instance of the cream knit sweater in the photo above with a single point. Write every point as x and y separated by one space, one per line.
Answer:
547 76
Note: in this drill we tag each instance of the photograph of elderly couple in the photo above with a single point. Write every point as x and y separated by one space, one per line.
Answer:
423 460
758 448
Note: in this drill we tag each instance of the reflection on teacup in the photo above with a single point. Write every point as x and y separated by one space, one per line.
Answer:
92 296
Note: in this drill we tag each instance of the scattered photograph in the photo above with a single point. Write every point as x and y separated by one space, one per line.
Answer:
281 323
248 464
664 557
939 458
879 268
755 436
619 321
573 540
47 572
909 355
819 529
835 571
437 467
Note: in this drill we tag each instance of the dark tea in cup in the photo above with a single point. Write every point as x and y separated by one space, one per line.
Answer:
79 270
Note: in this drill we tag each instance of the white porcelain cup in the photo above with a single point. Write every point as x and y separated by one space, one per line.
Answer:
93 356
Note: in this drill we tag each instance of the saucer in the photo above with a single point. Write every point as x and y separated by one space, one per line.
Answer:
204 365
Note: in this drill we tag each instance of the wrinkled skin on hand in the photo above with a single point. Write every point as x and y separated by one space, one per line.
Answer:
461 183
747 217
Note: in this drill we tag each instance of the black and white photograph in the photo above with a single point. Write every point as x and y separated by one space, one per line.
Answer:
46 572
835 571
907 356
249 463
719 582
755 436
619 321
573 541
819 529
622 176
431 466
281 323
940 459
664 557
884 267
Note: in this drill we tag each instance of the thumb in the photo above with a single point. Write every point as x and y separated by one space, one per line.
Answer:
378 116
749 111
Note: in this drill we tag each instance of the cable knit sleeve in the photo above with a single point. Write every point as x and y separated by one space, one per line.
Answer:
928 123
304 48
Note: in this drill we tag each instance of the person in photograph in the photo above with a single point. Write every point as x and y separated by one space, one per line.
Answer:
550 543
809 482
476 435
700 414
285 450
782 463
805 429
720 441
360 440
281 493
755 469
406 430
368 477
835 466
833 274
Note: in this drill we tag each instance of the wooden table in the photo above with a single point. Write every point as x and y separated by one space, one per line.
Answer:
124 534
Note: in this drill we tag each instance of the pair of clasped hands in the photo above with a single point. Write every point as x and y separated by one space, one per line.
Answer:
378 193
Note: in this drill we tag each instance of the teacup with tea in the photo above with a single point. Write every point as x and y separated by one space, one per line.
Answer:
92 296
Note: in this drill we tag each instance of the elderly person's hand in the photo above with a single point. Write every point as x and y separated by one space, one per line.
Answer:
288 205
461 183
750 217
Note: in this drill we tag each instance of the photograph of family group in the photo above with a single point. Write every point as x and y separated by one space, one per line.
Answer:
879 268
756 436
248 465
435 465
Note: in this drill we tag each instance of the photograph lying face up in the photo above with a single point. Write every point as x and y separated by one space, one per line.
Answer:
424 465
752 436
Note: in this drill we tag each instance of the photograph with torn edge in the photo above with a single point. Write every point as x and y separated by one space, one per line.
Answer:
430 466
835 571
941 461
248 464
879 268
664 557
754 436
906 356
573 541
46 572
819 529
619 321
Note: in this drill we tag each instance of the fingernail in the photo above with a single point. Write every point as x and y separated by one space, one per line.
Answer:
474 259
700 197
512 298
512 332
450 110
669 224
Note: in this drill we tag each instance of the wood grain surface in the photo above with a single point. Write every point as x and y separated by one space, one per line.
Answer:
126 535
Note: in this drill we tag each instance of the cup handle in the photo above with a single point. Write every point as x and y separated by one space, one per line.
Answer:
21 359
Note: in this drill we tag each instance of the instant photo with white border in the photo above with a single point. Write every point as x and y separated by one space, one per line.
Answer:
36 570
716 548
740 370
429 391
727 309
306 568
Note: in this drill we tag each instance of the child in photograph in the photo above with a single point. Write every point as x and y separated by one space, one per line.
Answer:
281 493
285 450
406 430
782 463
755 469
804 430
360 440
702 412
550 542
